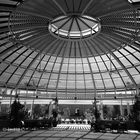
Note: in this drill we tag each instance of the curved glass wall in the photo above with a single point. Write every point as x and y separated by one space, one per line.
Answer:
31 58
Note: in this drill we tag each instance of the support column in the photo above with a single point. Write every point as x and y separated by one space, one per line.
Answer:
101 110
33 105
25 102
0 106
137 91
50 109
128 108
121 108
31 113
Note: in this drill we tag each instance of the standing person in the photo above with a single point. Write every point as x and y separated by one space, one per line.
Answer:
92 123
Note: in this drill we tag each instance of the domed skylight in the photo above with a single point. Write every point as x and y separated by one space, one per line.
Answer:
74 27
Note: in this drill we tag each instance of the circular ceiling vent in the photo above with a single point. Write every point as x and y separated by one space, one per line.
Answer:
74 27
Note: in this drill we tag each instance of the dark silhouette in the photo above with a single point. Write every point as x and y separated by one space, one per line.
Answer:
16 114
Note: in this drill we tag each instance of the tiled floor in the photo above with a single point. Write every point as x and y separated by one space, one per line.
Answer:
65 133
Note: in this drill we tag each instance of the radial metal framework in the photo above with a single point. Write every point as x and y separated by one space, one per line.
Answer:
74 27
36 54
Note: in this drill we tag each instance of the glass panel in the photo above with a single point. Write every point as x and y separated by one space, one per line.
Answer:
137 79
94 67
88 76
14 79
118 82
99 84
43 82
105 75
41 65
11 69
62 84
71 68
71 77
46 75
84 60
133 71
71 60
124 52
64 67
19 71
78 60
125 62
54 76
80 77
122 73
98 59
34 65
137 54
49 66
97 76
52 59
108 83
104 57
4 77
80 84
79 68
29 73
102 67
86 67
91 59
3 66
63 76
27 62
71 84
52 84
89 84
12 57
59 59
56 67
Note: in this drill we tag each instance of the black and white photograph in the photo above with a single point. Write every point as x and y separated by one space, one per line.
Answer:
69 69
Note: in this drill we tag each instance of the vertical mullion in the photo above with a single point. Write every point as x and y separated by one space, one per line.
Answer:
12 61
18 67
83 70
116 58
38 63
106 68
96 64
49 48
95 89
66 4
75 70
35 70
112 63
130 61
63 57
68 68
54 65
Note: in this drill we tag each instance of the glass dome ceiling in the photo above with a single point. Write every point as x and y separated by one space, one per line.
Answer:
74 27
32 58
